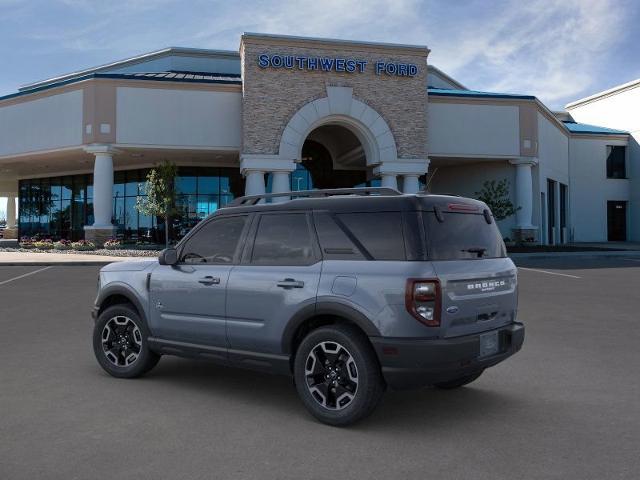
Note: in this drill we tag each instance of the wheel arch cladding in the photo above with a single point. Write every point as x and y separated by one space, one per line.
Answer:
325 313
118 295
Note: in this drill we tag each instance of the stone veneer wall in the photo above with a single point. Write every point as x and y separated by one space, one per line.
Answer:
271 96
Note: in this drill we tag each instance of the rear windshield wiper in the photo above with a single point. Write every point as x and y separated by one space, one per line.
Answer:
477 250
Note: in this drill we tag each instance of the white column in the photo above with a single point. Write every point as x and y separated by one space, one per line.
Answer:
254 183
410 183
11 211
389 180
280 184
103 190
524 192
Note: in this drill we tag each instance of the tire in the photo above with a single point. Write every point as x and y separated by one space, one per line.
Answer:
121 327
337 375
458 382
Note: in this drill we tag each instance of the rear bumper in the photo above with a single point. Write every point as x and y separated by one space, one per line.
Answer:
411 363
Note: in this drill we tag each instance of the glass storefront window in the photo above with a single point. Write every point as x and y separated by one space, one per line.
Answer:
60 207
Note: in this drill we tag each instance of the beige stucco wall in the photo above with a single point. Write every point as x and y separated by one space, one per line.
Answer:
272 96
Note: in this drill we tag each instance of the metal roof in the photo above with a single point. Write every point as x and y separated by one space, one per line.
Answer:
444 92
575 127
173 76
145 57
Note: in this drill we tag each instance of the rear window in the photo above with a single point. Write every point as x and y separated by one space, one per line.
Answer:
462 236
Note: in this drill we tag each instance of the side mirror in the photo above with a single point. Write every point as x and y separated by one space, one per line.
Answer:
168 256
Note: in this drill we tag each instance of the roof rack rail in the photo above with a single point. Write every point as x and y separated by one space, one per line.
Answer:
253 199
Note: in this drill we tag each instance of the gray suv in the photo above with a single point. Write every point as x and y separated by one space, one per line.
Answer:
350 291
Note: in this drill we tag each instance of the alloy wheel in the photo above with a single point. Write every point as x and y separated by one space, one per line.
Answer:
331 375
121 341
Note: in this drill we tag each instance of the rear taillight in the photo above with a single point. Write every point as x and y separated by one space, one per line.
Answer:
422 299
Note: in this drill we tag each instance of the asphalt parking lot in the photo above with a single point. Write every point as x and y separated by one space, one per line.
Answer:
567 406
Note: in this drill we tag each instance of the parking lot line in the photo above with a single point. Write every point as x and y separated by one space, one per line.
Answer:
548 272
25 275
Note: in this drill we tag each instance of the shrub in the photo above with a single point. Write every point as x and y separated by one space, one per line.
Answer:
62 245
83 245
113 244
43 244
26 242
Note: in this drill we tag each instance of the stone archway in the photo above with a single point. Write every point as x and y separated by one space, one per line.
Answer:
340 108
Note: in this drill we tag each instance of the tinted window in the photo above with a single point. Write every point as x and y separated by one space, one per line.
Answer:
334 242
283 240
616 161
215 242
462 236
380 233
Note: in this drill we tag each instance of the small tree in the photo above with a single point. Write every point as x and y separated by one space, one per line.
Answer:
160 200
496 196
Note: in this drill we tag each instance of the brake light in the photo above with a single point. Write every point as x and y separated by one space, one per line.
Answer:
462 207
423 300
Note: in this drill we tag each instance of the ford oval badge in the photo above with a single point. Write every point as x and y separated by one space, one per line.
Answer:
452 309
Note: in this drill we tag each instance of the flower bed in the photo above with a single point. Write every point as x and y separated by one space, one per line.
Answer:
83 245
113 244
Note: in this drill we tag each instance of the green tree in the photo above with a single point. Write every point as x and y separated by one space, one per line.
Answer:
160 199
496 196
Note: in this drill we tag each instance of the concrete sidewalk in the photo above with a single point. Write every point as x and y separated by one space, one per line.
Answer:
33 258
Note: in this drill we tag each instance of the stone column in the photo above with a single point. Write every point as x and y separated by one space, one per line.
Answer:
524 198
254 182
389 180
102 228
280 184
254 166
411 183
11 211
11 232
409 169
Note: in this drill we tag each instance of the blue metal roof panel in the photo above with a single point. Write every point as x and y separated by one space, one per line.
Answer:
444 92
575 127
222 78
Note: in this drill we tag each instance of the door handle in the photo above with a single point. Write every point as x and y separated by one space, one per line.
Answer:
290 283
209 280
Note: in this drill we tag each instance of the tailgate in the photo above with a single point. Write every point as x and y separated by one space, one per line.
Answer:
477 295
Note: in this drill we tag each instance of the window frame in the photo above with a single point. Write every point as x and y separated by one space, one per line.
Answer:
239 247
608 150
247 254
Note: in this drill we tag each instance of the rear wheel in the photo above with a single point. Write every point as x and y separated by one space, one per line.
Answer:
459 382
337 375
120 342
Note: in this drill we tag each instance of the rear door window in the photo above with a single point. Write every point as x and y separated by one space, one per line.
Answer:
283 239
462 236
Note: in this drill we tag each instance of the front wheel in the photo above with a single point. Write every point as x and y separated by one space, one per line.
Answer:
458 382
120 343
337 375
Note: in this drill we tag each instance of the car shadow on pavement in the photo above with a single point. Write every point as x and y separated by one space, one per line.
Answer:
409 410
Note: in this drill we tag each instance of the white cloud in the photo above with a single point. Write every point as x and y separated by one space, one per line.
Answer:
554 49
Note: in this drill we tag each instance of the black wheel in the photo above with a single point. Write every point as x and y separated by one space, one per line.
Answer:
337 375
120 343
458 382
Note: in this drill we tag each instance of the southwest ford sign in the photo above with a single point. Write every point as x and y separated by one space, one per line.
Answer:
331 64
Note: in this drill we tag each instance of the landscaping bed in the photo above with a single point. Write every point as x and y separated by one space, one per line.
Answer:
112 247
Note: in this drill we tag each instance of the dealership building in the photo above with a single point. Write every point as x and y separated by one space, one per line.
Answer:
290 113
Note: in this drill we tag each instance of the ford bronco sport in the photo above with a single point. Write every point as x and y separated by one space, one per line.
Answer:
350 291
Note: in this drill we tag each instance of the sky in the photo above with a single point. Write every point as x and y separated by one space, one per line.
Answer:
558 50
